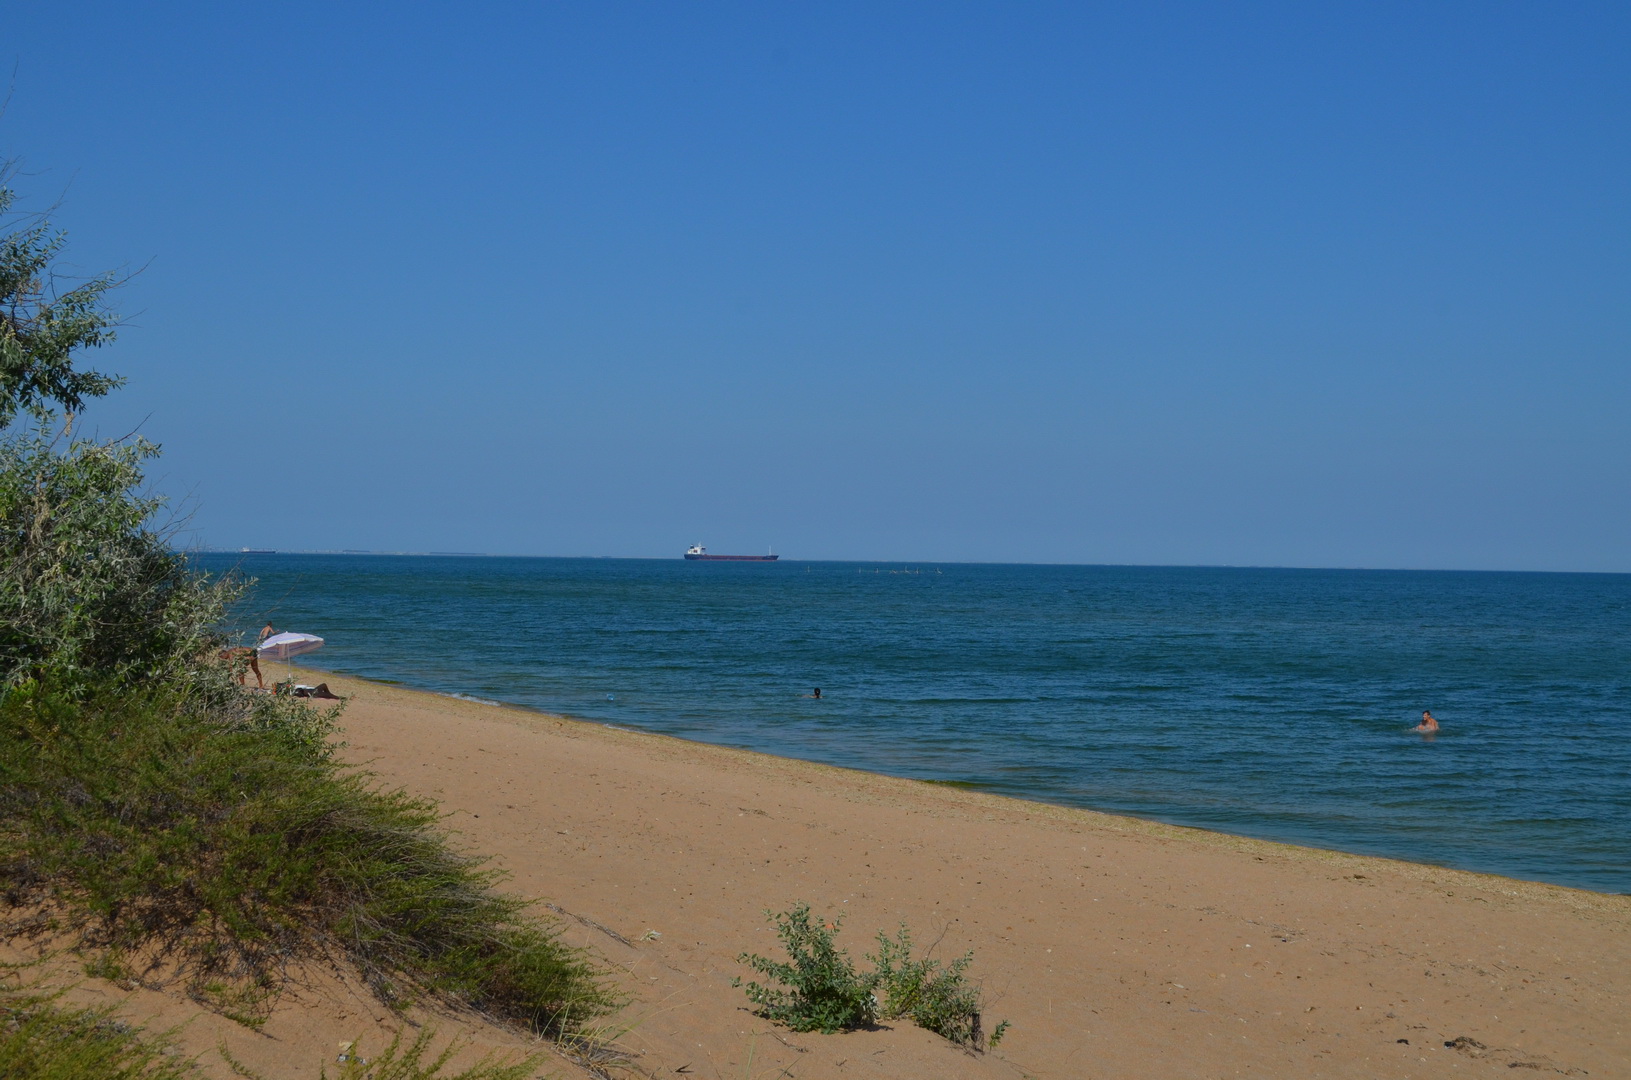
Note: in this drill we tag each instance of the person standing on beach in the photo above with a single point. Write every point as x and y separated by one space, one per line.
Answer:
266 632
1427 722
241 659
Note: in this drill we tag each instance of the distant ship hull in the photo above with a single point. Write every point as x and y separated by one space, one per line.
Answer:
731 558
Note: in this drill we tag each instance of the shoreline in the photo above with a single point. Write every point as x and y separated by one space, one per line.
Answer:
1040 807
1116 947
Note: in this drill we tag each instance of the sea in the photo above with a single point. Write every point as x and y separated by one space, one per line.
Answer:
1273 703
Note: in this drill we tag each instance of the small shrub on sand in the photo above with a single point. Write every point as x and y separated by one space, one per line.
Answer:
819 989
932 996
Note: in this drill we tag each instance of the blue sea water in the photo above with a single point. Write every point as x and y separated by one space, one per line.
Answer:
1268 703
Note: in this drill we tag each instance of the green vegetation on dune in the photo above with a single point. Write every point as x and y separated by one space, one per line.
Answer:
41 1039
163 817
153 826
88 593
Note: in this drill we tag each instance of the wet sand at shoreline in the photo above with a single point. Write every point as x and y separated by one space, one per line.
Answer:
1115 947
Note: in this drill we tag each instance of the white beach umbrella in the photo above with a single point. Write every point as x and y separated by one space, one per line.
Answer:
284 646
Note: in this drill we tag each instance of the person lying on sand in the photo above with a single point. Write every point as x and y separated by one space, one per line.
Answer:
1427 723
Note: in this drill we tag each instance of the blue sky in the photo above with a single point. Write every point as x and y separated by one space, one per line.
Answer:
1266 284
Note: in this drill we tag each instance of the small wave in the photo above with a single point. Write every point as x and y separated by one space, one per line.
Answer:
468 697
1029 699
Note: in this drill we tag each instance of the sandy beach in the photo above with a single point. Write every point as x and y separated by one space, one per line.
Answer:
1115 948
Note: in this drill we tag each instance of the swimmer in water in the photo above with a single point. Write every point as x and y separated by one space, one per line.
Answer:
1427 722
815 693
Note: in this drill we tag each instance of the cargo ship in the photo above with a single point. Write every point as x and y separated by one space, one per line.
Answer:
697 551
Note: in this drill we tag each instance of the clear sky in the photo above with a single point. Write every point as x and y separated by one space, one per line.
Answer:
1269 284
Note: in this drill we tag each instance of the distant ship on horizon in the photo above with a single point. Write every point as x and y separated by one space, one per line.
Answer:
698 552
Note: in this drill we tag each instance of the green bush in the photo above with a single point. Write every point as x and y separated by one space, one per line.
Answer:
820 989
42 327
932 996
89 593
153 823
42 1040
151 806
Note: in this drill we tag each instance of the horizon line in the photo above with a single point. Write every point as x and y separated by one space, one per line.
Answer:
938 562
